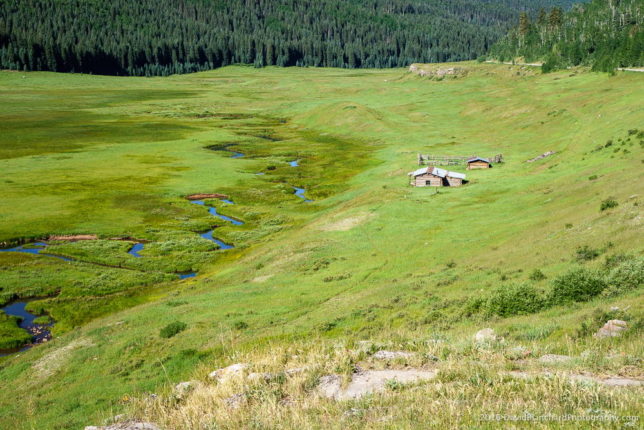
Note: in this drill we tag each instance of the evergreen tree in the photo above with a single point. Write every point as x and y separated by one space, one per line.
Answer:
162 37
603 34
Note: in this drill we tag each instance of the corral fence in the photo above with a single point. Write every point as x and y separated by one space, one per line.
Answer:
452 160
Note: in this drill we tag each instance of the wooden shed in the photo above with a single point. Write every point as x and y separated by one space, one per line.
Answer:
478 163
434 177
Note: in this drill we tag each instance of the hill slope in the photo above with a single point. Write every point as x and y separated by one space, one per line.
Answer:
602 34
160 37
541 251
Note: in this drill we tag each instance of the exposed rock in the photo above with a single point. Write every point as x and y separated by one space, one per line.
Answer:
622 382
612 328
540 157
554 359
126 425
486 335
296 370
258 376
369 382
226 373
183 388
392 355
235 401
438 72
330 386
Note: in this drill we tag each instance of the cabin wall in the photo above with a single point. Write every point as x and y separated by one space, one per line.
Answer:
454 182
478 165
421 181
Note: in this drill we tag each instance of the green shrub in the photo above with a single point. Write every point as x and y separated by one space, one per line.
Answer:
240 325
627 275
586 253
172 329
578 285
537 275
608 204
592 177
515 300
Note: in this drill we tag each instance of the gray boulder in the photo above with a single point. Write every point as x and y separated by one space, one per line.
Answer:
612 328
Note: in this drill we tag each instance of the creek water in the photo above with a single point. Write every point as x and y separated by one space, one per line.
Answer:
39 332
138 247
300 192
35 248
209 234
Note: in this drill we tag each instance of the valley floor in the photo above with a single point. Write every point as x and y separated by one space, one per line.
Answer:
545 253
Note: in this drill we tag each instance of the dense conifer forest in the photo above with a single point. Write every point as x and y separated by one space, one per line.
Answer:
161 37
604 34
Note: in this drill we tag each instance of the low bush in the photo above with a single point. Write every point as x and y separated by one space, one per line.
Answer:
515 300
537 275
578 285
608 204
586 253
172 329
240 325
627 275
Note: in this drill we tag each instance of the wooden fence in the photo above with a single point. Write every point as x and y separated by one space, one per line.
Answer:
447 160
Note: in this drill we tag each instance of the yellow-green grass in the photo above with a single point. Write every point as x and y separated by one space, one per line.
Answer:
371 258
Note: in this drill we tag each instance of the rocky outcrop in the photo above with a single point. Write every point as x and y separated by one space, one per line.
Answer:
487 335
368 382
229 372
126 425
554 359
540 157
182 389
612 328
432 71
392 355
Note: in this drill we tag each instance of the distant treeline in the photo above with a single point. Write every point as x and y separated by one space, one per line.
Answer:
161 37
604 34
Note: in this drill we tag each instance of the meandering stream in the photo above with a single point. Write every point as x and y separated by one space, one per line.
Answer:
38 248
39 332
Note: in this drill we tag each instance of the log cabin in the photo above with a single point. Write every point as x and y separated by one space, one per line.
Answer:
434 177
478 163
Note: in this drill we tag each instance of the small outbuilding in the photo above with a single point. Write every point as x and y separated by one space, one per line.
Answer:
478 163
434 177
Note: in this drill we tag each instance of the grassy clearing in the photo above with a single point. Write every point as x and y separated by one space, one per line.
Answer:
369 259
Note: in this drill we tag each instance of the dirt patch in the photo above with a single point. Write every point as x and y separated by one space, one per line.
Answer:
56 359
262 278
346 223
74 237
206 196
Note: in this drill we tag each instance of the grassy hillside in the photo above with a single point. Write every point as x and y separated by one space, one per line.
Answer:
369 259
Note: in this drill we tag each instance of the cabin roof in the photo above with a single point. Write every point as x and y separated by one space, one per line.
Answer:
441 173
471 160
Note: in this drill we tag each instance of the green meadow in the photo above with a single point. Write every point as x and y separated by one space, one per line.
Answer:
370 258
